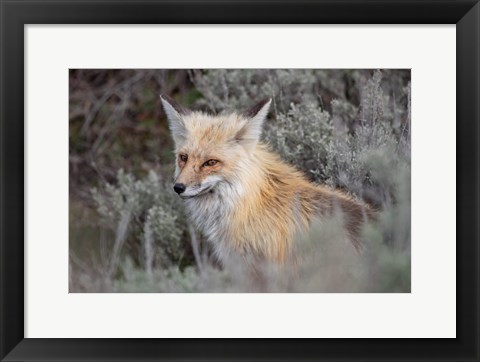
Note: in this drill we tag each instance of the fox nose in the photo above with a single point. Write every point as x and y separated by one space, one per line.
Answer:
179 188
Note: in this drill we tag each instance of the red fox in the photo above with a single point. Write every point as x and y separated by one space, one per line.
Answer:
245 200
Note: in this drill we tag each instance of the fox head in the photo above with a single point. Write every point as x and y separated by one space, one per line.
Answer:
212 151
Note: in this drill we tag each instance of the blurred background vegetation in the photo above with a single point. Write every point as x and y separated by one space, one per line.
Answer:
347 128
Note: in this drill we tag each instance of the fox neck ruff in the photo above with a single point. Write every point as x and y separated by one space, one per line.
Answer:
254 214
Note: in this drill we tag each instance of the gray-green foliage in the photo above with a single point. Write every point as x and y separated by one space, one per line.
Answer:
150 214
233 90
302 135
327 264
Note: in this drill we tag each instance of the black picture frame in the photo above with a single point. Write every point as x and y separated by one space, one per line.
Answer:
15 14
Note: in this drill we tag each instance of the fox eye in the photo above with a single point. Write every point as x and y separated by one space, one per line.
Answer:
183 158
210 163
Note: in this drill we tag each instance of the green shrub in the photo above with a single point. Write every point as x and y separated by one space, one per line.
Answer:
150 215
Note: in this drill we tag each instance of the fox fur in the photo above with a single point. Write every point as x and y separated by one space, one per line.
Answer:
245 200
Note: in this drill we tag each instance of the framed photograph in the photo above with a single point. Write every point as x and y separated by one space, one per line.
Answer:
239 180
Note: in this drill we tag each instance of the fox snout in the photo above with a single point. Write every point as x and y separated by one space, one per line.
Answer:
189 190
179 188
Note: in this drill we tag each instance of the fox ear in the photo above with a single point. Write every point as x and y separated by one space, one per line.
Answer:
250 133
175 113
